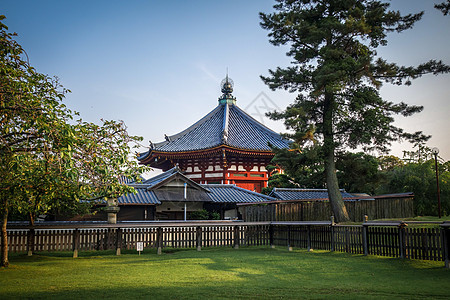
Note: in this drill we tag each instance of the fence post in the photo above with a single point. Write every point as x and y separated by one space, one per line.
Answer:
76 242
199 238
402 240
366 236
332 224
159 240
289 238
108 240
118 240
347 240
446 245
271 236
308 233
236 237
30 242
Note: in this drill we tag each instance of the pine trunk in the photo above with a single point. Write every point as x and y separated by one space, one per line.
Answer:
334 194
4 260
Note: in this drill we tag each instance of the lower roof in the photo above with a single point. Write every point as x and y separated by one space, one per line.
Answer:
159 189
218 193
301 194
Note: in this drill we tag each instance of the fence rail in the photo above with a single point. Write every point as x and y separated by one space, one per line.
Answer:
382 239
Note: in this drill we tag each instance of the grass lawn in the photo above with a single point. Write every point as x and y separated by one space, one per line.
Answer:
424 219
251 273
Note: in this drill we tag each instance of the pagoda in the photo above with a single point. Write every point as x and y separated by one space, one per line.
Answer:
227 146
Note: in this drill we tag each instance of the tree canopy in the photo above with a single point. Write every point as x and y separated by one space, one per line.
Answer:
363 173
337 73
47 158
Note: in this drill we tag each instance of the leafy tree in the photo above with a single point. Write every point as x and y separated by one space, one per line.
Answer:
389 162
302 168
420 178
47 159
32 121
203 214
278 181
337 75
358 172
91 170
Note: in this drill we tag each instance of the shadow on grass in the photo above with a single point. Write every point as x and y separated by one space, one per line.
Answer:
248 272
222 254
216 291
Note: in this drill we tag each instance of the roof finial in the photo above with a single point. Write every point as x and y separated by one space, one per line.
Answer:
227 88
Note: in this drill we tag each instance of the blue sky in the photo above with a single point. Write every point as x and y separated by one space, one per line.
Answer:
157 65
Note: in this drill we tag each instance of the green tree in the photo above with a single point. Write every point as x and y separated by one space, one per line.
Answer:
46 158
277 180
337 75
301 168
389 162
358 172
90 170
420 178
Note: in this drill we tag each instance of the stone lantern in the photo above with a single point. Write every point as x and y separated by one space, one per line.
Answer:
112 208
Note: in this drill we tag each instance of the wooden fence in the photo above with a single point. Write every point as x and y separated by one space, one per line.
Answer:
371 238
84 237
314 210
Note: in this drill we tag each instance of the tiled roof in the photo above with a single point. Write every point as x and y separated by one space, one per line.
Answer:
166 177
219 193
160 177
247 133
142 197
229 193
126 180
299 194
227 124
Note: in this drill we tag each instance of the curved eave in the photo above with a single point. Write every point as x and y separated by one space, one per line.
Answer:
151 155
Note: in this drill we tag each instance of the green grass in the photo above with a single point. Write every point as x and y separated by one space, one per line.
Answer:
251 273
418 218
428 218
421 219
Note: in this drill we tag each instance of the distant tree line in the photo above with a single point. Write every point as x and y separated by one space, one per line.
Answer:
364 173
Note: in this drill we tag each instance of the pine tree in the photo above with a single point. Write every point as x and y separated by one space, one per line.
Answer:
337 74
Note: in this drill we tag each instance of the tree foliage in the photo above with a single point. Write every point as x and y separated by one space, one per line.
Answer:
444 7
420 178
389 162
337 74
363 173
47 158
358 172
302 168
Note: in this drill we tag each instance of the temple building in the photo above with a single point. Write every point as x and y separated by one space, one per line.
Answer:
227 146
173 196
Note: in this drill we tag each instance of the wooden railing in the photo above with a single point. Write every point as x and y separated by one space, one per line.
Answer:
394 239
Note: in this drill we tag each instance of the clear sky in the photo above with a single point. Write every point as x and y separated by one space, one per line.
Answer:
157 65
